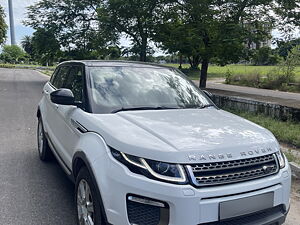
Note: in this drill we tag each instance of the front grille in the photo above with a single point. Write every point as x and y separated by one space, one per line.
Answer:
216 173
272 216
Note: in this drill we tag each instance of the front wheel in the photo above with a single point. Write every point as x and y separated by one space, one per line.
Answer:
88 206
43 147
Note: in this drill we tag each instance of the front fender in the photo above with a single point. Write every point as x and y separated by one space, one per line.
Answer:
91 150
92 145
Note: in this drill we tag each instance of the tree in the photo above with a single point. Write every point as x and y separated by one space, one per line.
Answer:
12 54
265 56
176 37
134 18
46 48
74 25
3 26
287 67
284 47
216 30
27 45
114 52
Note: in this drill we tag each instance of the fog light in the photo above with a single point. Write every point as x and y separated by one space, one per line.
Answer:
143 210
146 201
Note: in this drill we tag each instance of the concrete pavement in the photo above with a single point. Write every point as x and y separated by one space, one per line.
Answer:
31 192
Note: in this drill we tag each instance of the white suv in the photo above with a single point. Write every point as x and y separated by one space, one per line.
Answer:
145 146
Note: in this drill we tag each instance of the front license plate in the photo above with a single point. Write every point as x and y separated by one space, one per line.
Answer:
243 206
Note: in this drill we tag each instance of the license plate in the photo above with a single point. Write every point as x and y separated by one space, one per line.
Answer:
244 206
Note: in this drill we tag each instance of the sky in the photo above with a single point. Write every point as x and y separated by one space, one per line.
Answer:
19 7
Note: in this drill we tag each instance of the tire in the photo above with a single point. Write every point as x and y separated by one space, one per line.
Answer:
44 150
88 208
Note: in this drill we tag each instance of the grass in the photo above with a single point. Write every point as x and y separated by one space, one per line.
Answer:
7 65
291 157
220 71
287 132
47 72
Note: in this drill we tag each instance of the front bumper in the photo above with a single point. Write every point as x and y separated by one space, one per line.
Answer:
187 205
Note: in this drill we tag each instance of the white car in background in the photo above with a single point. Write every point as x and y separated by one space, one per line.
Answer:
145 146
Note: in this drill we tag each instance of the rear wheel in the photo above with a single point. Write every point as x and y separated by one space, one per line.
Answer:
43 147
88 205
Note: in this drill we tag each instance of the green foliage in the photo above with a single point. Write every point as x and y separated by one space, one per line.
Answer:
12 54
228 76
27 45
251 80
265 56
288 66
217 31
114 52
45 46
284 47
3 26
203 31
215 71
74 24
280 78
134 18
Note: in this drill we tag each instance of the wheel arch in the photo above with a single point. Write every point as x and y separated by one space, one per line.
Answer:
79 161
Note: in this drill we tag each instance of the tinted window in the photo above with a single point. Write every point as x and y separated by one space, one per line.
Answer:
74 82
60 77
53 75
129 87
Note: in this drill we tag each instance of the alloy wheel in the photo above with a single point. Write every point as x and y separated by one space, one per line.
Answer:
85 205
40 138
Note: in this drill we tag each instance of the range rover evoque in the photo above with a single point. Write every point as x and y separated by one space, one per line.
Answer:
145 146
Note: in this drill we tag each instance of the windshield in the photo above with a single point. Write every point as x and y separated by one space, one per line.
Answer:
123 88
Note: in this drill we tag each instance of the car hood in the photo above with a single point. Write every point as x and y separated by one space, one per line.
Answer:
183 135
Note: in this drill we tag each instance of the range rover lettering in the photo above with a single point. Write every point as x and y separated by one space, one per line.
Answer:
145 146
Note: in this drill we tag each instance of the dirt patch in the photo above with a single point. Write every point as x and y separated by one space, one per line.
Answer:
293 217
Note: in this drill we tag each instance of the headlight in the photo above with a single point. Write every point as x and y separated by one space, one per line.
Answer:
281 159
168 172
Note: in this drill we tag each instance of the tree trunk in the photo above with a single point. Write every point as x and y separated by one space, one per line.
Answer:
180 61
195 61
203 74
190 62
143 55
143 51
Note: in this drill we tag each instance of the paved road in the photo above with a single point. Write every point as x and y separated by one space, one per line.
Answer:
32 192
278 97
254 91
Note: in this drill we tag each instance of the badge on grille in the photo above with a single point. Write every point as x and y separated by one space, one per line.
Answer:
267 169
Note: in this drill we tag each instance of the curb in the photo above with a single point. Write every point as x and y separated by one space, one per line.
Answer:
45 75
295 170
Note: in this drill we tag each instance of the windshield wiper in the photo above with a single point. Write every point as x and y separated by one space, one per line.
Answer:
144 108
206 106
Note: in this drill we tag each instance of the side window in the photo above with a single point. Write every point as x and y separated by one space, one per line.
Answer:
53 75
74 82
60 77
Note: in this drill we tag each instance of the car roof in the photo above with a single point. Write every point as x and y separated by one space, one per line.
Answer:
96 63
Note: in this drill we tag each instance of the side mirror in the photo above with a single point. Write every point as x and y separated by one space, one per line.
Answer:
62 96
208 94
